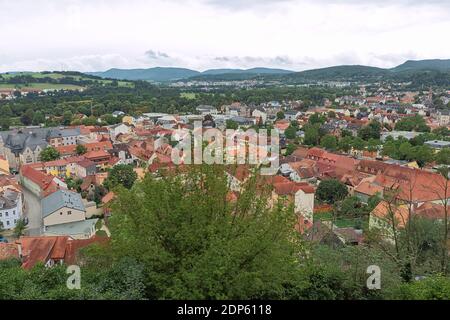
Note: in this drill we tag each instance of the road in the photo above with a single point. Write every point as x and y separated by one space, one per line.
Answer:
33 212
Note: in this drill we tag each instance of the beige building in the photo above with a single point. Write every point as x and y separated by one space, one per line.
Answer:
62 207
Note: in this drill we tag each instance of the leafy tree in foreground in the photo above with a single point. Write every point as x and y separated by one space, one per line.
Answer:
198 245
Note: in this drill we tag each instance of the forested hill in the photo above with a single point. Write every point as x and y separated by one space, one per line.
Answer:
430 71
55 80
161 74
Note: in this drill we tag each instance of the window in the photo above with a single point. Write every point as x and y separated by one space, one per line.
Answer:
69 212
7 223
6 214
60 213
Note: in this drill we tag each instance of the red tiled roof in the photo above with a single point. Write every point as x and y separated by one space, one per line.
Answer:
100 154
85 163
282 124
368 188
9 251
42 249
431 210
108 197
315 152
290 188
387 211
74 246
240 172
44 181
96 146
301 152
413 184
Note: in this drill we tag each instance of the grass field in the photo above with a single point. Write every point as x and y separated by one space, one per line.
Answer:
40 86
59 76
188 95
340 222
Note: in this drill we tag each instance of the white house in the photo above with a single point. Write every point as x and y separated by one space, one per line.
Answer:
10 208
117 129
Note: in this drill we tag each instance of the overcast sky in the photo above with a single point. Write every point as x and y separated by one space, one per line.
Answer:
96 35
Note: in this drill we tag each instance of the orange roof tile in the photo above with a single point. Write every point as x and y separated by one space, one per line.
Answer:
368 188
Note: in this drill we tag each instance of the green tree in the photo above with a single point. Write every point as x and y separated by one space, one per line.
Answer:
351 207
371 131
121 174
316 118
6 111
20 228
80 149
331 191
328 142
312 135
67 117
434 287
5 123
345 143
290 148
27 117
38 118
280 115
414 123
290 132
443 156
49 154
202 247
358 143
231 124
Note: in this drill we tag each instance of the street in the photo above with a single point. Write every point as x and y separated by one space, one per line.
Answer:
33 212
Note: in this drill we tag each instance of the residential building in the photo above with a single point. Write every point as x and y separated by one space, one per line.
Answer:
85 168
117 129
63 137
37 182
22 148
62 207
10 208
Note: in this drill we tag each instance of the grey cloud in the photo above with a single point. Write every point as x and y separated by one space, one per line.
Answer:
156 54
251 59
281 61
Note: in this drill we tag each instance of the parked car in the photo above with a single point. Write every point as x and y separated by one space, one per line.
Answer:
2 239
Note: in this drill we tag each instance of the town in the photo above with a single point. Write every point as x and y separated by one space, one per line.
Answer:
210 158
57 182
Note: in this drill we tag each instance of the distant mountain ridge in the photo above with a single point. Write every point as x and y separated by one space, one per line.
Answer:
431 64
153 74
343 72
170 74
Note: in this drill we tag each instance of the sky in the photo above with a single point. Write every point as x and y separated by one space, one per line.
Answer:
95 35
